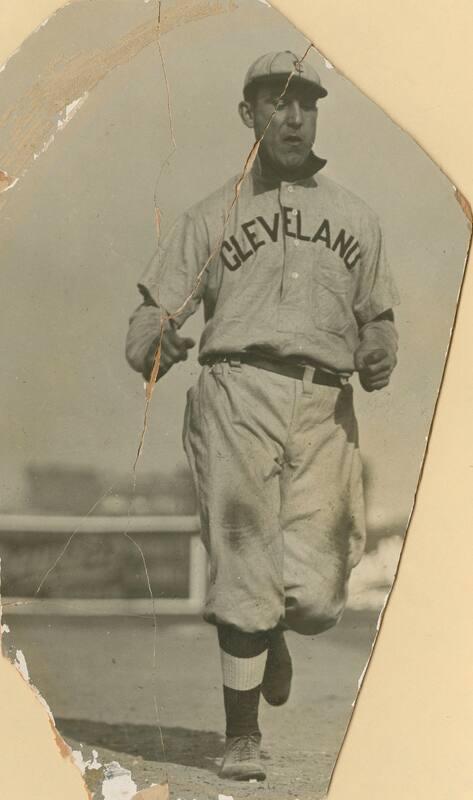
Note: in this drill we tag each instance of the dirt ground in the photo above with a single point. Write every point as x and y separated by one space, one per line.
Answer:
99 679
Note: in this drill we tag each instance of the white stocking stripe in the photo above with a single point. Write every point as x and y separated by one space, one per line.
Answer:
242 674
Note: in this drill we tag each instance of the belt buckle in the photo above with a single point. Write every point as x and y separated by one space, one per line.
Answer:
234 361
317 370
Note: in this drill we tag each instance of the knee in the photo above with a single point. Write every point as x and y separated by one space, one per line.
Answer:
310 616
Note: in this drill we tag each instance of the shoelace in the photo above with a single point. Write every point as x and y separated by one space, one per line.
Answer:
247 748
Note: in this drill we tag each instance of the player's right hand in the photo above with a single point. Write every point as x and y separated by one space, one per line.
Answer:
374 367
174 348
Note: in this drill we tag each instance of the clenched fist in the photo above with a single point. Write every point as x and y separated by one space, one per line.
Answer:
374 367
174 348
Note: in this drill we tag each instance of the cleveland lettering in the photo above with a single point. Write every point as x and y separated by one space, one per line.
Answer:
258 232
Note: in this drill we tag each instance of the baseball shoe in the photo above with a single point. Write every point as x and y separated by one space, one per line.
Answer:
277 677
241 761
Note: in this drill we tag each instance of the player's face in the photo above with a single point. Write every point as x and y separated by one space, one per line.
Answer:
285 120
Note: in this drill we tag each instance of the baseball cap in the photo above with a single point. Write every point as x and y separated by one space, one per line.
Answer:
281 65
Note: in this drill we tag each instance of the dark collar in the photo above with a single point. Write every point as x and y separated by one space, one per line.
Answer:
266 177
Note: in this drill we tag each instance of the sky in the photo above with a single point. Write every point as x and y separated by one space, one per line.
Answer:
78 230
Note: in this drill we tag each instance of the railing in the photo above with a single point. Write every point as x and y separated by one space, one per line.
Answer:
369 585
66 526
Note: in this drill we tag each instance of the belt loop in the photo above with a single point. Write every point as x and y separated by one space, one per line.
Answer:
308 380
216 368
235 362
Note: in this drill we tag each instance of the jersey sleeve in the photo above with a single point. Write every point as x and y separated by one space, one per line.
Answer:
376 290
172 288
175 280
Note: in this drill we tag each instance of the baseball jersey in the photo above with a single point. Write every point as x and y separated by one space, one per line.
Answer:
290 269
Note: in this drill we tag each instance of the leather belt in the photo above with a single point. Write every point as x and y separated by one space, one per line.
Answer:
280 367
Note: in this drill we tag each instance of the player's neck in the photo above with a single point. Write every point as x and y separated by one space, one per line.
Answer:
277 173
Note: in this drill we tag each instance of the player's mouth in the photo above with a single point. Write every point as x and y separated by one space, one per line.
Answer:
293 139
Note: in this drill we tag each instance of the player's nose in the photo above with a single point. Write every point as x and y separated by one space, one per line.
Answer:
294 113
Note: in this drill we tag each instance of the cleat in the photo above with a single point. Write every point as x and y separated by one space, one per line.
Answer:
241 761
277 677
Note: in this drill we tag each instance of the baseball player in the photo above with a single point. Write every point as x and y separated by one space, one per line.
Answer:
297 296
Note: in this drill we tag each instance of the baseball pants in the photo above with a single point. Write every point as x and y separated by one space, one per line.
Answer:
278 474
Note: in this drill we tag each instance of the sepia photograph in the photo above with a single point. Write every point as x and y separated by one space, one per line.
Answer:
229 284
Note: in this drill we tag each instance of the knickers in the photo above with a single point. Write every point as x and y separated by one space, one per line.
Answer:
278 474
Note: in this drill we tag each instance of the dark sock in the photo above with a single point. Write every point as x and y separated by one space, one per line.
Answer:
243 661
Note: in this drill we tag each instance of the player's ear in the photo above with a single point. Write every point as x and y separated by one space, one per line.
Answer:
245 110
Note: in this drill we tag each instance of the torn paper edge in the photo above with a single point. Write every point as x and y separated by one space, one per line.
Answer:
69 113
382 614
214 8
33 32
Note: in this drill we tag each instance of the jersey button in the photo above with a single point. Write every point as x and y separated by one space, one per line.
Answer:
290 188
294 275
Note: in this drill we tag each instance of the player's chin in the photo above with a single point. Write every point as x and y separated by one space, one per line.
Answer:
295 161
292 158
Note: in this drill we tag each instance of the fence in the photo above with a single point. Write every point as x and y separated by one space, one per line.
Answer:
30 526
169 537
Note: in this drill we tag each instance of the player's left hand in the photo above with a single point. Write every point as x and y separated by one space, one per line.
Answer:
374 366
174 348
